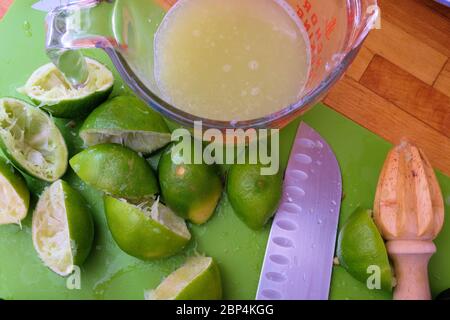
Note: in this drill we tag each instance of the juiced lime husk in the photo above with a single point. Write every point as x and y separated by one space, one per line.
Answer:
146 231
117 171
198 279
49 89
31 141
62 228
14 195
128 121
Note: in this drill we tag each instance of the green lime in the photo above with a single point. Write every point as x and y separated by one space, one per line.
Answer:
116 170
31 141
253 196
14 195
191 190
198 279
361 249
146 231
49 89
126 120
62 228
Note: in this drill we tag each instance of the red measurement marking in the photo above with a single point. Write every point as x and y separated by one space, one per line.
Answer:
166 4
330 26
317 32
307 6
312 26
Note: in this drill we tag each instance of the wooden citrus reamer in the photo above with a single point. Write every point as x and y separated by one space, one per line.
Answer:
409 212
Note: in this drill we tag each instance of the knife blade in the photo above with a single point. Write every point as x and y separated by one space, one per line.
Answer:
300 251
49 5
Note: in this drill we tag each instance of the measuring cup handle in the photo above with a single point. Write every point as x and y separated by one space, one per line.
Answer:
70 28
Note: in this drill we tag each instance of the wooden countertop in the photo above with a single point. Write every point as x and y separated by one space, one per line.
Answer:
399 85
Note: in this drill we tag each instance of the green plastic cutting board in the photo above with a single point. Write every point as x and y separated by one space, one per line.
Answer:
111 274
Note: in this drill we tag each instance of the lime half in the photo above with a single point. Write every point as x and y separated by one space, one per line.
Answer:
128 121
361 249
116 170
198 279
146 231
31 140
254 197
191 190
14 195
49 89
62 228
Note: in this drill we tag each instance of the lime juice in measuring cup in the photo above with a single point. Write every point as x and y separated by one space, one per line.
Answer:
234 63
231 59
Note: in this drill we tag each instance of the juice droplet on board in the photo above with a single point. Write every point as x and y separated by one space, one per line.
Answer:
27 28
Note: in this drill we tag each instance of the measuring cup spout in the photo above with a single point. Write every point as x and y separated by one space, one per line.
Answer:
368 17
70 28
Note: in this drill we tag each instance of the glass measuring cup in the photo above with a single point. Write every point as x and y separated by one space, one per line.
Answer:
125 29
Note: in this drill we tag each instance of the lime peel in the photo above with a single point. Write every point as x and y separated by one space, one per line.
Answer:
123 174
62 228
198 278
14 195
49 89
12 209
50 231
31 140
128 121
360 246
135 140
146 230
253 197
164 216
192 191
49 85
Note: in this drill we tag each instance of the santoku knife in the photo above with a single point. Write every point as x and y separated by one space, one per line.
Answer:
300 251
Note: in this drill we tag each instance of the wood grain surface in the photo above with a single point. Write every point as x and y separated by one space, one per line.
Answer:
399 85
